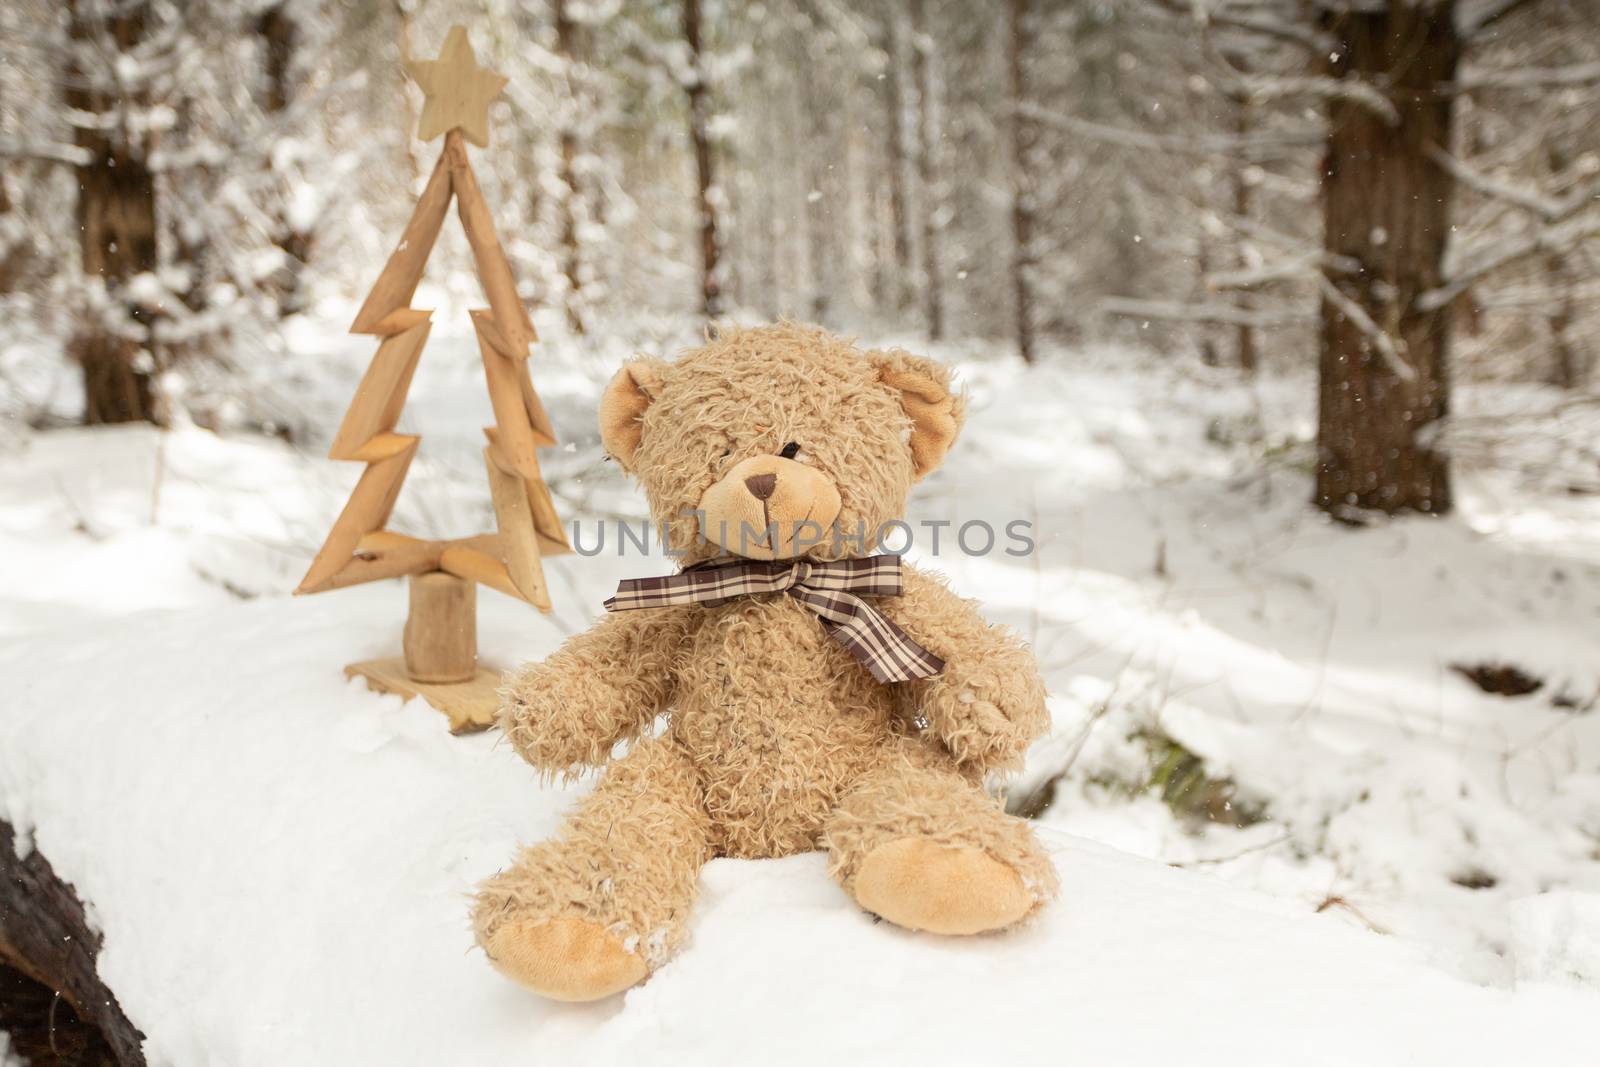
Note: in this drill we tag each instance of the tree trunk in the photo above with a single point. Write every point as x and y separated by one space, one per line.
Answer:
1387 207
279 37
899 209
821 191
705 176
1566 370
930 171
14 256
45 935
1207 343
191 243
116 214
1024 182
1245 336
571 254
777 147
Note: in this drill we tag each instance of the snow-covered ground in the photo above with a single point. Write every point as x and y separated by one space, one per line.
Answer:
279 860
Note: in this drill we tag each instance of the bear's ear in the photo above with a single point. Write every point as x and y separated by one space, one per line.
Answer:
925 395
623 404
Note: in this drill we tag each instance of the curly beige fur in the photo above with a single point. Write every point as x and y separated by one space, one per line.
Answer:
777 740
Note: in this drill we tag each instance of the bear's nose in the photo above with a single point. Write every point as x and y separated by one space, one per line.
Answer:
761 485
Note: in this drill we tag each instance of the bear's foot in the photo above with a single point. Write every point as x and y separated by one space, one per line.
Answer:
564 958
943 889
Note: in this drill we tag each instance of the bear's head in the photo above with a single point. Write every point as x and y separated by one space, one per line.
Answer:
779 441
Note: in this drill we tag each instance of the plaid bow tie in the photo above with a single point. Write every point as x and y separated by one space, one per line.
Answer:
832 590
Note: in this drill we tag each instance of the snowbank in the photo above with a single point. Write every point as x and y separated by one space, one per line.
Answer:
279 862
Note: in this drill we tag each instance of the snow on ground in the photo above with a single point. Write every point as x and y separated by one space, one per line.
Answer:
279 860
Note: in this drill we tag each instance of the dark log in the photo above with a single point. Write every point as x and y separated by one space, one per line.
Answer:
45 935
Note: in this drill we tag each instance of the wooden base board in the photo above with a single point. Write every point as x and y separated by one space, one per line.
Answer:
470 706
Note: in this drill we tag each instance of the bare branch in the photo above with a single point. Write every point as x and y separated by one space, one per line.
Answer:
1376 334
1527 199
1328 261
1290 269
43 151
1275 28
1474 18
1199 13
1197 144
1528 78
1537 296
1498 252
1179 311
1353 90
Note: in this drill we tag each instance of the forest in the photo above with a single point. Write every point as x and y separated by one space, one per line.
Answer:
1398 197
1275 327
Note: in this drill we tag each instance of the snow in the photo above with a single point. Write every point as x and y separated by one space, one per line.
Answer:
279 860
1557 937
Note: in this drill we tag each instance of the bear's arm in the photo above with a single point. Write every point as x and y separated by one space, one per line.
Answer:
988 704
602 686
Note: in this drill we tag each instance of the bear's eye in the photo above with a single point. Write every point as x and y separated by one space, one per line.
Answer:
790 450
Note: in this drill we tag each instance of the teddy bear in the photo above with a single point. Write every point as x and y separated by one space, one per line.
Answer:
784 692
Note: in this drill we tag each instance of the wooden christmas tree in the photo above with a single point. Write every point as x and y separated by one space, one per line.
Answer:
440 644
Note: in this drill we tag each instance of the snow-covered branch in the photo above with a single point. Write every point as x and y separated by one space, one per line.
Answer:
1497 253
1260 22
1537 296
1298 247
43 151
1263 88
1193 144
1288 269
1379 337
1528 199
1576 74
1562 228
1181 311
1473 18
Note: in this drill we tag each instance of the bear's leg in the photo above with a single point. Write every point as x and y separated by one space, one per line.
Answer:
916 843
594 910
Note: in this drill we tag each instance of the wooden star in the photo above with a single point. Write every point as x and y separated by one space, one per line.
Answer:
456 89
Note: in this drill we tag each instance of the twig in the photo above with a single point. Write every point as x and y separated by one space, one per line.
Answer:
1260 846
160 476
1334 900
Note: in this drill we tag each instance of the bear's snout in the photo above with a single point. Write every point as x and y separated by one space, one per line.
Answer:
770 507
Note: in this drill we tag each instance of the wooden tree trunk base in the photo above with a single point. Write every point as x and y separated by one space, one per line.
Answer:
470 706
45 936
